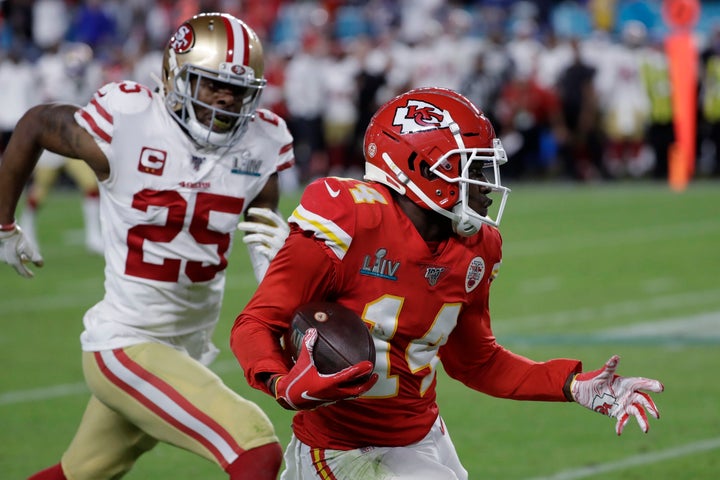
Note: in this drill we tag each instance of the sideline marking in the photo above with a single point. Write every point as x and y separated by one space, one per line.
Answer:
637 460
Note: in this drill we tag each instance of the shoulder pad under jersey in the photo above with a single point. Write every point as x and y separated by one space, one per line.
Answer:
273 125
125 97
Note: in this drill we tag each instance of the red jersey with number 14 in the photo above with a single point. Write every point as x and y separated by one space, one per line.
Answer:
423 304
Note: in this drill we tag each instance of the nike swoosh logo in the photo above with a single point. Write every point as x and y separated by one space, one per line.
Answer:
310 397
333 193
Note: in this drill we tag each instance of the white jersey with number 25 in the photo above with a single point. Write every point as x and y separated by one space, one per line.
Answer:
169 211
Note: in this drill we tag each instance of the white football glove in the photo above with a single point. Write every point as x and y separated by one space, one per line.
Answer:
617 397
17 251
263 239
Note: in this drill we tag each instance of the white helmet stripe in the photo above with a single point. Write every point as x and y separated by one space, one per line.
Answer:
238 48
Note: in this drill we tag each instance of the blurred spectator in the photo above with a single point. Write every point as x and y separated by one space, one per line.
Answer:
304 91
523 46
442 56
17 84
482 86
581 151
50 22
16 23
66 72
147 62
625 103
371 77
340 111
710 98
528 117
555 56
660 134
273 98
92 24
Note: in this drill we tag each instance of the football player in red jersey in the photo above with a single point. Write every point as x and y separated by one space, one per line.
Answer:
413 250
177 168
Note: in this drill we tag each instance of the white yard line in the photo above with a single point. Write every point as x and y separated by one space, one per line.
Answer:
637 460
592 240
67 389
40 394
657 303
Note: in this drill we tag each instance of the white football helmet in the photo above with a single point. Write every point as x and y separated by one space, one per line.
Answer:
430 144
220 47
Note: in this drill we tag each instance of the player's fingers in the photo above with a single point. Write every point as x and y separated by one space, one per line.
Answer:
355 388
611 365
258 238
23 270
639 412
265 214
622 421
641 383
354 372
358 389
37 259
309 339
257 228
646 403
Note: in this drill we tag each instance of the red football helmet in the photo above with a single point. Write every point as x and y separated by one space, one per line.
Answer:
429 144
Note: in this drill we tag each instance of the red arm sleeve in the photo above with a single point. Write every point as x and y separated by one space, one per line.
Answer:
473 356
255 336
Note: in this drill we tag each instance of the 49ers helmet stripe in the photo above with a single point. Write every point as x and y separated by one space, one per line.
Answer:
238 42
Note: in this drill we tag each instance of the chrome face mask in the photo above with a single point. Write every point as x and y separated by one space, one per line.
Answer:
467 221
185 95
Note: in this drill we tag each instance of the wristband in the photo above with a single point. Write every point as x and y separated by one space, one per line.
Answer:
271 384
567 388
8 226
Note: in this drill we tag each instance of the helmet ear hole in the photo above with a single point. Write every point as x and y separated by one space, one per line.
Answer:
411 161
426 172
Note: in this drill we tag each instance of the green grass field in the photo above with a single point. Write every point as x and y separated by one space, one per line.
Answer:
588 271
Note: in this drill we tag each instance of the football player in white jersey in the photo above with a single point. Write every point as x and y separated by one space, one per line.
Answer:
176 169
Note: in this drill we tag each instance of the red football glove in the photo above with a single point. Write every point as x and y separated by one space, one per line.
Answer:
304 388
618 397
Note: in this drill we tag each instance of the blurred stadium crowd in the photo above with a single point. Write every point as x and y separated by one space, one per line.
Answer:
575 89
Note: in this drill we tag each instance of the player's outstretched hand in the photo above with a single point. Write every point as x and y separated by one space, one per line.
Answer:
16 251
304 388
618 397
267 235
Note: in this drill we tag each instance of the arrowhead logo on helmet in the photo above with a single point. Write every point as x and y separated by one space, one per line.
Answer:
418 116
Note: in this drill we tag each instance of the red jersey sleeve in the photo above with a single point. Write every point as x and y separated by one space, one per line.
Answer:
473 356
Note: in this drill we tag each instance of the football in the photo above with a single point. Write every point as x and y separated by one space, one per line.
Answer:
343 338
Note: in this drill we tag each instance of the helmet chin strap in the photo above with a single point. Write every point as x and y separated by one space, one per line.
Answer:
462 224
205 135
